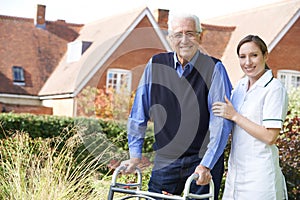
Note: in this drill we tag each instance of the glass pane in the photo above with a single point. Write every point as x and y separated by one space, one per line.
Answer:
293 81
18 74
119 80
297 81
282 78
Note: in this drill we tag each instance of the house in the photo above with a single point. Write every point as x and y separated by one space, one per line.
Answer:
30 50
53 62
278 24
119 48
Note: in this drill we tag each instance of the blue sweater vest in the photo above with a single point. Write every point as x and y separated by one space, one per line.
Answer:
179 106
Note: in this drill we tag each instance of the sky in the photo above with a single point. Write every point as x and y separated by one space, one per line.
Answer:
85 11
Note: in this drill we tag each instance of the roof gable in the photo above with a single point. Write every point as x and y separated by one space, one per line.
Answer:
106 36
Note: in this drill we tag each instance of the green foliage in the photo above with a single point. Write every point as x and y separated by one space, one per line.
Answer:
294 103
35 169
289 147
44 126
85 103
149 139
94 133
104 103
99 140
48 126
116 132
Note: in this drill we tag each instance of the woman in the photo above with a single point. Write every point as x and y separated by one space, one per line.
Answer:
258 108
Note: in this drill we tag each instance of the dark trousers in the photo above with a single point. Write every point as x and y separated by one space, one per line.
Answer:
172 176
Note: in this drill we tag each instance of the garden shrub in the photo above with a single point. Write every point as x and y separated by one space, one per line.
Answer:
289 147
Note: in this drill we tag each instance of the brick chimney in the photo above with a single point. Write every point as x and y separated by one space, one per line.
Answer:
40 21
162 16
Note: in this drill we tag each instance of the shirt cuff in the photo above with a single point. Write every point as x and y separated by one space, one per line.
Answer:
134 153
272 123
207 160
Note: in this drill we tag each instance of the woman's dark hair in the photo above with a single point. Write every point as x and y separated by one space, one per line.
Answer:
257 40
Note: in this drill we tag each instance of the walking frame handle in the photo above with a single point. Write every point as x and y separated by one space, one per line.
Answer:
187 194
120 187
118 170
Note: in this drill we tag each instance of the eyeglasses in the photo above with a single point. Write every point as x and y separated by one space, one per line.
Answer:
189 34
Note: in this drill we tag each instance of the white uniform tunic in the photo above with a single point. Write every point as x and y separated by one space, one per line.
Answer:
253 167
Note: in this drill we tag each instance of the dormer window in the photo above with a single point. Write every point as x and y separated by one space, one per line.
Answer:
76 49
18 75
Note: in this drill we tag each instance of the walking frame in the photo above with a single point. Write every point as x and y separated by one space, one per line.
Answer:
116 187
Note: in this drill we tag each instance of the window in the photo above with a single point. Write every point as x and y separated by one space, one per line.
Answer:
18 75
76 49
290 78
119 79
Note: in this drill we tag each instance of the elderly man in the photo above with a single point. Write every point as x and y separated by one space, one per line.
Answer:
176 92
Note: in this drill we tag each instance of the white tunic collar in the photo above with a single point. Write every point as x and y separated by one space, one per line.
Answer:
263 81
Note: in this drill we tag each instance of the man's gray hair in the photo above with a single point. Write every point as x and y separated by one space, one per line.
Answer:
175 16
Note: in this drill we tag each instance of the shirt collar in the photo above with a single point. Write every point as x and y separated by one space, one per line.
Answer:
191 63
263 81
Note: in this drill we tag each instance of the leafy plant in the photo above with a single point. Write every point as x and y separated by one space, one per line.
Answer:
104 103
289 147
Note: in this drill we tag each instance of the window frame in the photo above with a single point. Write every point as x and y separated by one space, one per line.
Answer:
18 75
286 77
117 83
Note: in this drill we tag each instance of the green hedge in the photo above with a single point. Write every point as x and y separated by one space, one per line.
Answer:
46 126
37 125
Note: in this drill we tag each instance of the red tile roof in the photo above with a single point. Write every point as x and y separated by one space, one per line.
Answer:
215 39
36 50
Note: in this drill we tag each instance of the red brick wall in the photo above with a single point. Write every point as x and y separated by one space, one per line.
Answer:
38 110
40 15
162 16
286 53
